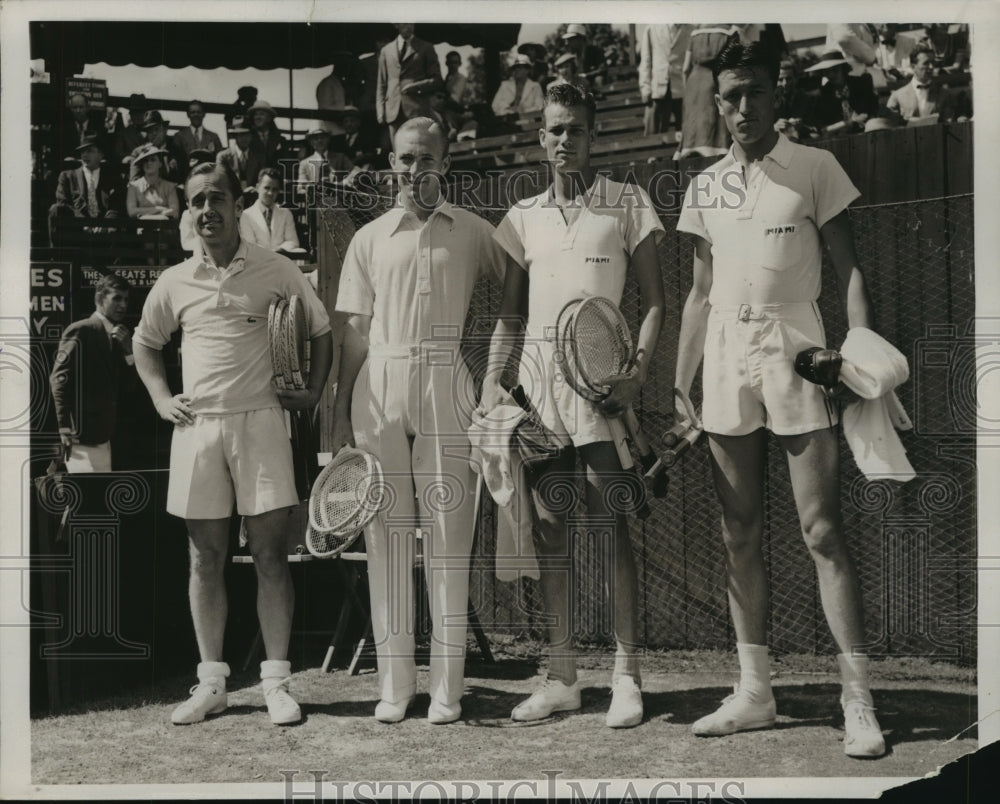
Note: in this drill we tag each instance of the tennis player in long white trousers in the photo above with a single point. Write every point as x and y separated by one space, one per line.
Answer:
405 394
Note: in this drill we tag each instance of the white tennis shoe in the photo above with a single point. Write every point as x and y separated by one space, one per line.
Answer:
275 676
626 704
552 696
737 713
439 713
389 712
863 737
207 698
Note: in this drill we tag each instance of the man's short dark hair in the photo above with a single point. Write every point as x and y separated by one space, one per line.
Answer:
195 103
570 95
274 173
205 168
108 283
737 56
921 49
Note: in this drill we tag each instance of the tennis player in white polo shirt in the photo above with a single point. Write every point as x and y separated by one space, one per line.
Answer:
582 236
760 217
229 442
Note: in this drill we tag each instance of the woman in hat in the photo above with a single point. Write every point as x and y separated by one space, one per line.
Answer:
518 95
149 195
267 142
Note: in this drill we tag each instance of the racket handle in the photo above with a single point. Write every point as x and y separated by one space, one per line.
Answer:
690 437
634 429
673 436
620 438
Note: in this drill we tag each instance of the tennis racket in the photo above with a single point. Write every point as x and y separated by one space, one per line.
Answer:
346 496
593 339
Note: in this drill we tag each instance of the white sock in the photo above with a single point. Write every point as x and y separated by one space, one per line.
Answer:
755 672
854 676
216 672
274 671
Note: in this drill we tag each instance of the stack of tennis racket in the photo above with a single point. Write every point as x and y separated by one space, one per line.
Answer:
347 494
288 339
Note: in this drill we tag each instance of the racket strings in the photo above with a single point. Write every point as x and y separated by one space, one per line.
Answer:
346 496
288 343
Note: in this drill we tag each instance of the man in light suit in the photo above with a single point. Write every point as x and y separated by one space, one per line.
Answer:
661 74
323 164
406 66
196 136
922 96
89 191
265 223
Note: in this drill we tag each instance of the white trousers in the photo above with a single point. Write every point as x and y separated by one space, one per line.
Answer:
411 407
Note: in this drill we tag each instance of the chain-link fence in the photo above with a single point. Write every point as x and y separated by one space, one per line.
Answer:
914 545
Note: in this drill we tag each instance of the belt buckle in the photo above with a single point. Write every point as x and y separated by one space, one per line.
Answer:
744 312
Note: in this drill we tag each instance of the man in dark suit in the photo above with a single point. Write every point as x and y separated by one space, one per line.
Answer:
239 156
406 67
93 358
82 122
196 136
130 137
91 191
358 145
923 96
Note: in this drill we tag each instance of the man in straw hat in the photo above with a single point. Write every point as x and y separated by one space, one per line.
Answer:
229 441
751 309
92 190
267 143
323 164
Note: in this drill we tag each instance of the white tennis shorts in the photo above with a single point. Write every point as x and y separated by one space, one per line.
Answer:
243 457
749 370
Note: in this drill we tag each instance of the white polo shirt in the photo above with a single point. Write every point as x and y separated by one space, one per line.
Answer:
764 227
415 278
222 315
588 257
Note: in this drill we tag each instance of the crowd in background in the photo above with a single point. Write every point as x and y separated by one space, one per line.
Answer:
868 77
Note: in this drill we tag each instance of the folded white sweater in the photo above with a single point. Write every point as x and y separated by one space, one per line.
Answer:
872 367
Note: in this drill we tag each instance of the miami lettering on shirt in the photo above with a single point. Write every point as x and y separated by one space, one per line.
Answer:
777 230
597 260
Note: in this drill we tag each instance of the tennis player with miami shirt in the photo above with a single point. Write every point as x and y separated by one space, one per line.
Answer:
229 442
760 217
582 236
405 395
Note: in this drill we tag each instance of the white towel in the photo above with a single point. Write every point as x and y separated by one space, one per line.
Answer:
499 463
872 367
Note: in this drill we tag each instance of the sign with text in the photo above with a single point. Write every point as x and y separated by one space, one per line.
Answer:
95 90
51 302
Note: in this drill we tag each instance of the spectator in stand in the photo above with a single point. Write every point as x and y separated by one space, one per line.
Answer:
845 101
331 96
239 157
94 358
265 223
438 111
368 71
196 136
267 143
323 164
702 132
130 137
923 96
246 97
661 75
794 107
539 63
89 191
454 84
359 145
949 45
83 122
154 128
589 58
567 72
856 41
518 95
406 66
892 54
149 195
